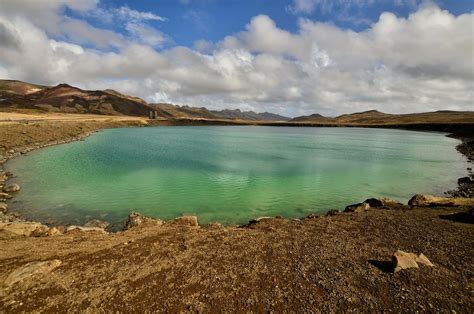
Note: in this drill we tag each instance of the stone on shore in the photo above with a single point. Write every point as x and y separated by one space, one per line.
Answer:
53 232
3 207
357 208
22 228
12 188
332 212
386 203
31 269
134 219
425 200
191 221
465 180
85 229
404 260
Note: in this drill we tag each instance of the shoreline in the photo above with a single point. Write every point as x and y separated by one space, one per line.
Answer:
329 263
459 131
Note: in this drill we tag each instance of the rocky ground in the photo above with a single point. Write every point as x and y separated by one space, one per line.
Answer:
339 262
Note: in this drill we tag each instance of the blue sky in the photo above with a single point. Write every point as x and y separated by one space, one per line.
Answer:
212 20
290 57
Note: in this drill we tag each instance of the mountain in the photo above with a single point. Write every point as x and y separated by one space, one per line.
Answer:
12 87
175 111
69 99
237 114
377 117
316 117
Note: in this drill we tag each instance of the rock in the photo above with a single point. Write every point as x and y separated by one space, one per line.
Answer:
422 259
357 208
31 269
404 260
41 231
383 203
85 229
3 207
186 221
134 219
424 200
312 216
332 212
96 223
53 232
21 228
12 188
465 180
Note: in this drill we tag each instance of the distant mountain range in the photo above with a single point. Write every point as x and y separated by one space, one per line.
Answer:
70 99
377 117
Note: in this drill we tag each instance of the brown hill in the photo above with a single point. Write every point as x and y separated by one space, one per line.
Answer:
377 117
13 87
175 111
69 99
237 114
316 117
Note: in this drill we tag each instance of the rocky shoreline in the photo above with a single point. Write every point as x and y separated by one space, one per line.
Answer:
377 255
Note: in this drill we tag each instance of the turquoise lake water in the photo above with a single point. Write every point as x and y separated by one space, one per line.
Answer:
229 174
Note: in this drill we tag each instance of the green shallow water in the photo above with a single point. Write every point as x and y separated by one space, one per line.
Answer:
229 174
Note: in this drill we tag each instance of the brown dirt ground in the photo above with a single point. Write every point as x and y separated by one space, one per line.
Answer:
336 263
322 264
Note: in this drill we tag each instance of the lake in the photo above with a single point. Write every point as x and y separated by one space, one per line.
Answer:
229 174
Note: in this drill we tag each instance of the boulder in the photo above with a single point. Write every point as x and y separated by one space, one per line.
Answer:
465 180
404 260
357 208
332 212
11 188
31 269
53 232
41 231
386 203
85 229
423 260
21 228
191 221
134 219
425 200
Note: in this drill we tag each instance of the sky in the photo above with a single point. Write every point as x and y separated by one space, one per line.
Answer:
291 57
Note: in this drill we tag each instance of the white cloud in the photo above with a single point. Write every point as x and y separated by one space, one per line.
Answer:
146 34
136 16
396 65
338 6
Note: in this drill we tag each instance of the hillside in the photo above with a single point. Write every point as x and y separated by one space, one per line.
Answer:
64 98
69 99
237 114
187 112
316 117
13 87
377 117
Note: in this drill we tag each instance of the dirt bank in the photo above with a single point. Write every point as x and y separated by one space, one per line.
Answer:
334 263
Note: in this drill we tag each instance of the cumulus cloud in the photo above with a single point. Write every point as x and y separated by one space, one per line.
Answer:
327 6
420 63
